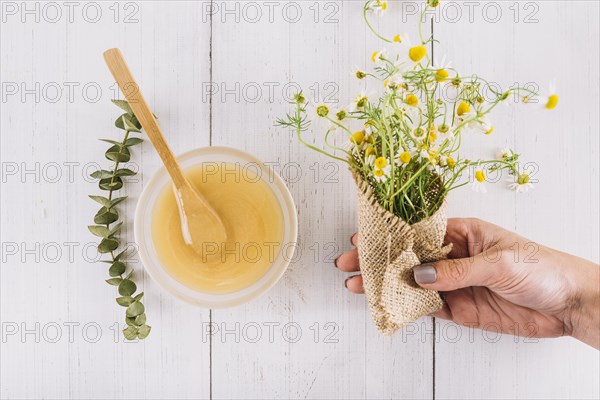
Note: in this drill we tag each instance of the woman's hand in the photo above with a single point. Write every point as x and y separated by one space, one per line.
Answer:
497 279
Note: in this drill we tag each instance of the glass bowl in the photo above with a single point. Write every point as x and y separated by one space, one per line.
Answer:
143 229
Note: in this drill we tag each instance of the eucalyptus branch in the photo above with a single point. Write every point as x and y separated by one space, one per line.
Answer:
108 226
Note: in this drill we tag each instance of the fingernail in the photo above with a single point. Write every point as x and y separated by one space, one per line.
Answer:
335 262
346 282
425 274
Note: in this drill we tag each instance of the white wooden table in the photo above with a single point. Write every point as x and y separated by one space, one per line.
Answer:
219 73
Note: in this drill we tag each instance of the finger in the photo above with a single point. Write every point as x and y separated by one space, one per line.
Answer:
467 236
458 273
348 262
443 313
355 284
354 239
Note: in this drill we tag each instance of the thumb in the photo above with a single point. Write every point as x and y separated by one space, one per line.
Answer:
456 273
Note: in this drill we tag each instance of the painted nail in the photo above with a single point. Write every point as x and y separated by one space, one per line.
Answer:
425 274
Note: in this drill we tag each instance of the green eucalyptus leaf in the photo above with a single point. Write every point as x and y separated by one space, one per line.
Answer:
105 216
118 154
144 331
130 332
123 105
135 309
115 229
125 172
129 122
117 269
120 255
136 122
107 245
116 201
124 301
101 200
114 281
139 296
140 319
101 174
111 183
132 141
99 230
127 288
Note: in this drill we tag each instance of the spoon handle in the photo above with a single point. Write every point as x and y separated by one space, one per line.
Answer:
120 71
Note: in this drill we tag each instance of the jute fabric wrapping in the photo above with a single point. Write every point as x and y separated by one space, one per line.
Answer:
388 249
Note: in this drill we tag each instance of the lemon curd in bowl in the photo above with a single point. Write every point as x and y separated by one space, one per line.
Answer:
259 216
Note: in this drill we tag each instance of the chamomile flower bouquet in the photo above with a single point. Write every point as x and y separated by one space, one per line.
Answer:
405 159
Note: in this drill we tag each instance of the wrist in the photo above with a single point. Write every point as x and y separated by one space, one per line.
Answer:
582 319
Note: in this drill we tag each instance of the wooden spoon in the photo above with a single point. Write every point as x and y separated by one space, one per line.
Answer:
194 210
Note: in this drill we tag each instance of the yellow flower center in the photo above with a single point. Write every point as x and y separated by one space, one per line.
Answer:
341 115
463 108
523 179
450 162
378 173
358 137
443 128
417 53
432 136
480 176
441 75
411 100
552 102
384 5
362 102
370 150
380 162
360 74
419 133
397 39
322 111
375 56
405 157
489 131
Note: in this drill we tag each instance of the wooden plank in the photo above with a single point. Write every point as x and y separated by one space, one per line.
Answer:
530 42
348 358
47 296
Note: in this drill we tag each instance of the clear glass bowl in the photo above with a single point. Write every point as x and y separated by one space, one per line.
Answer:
150 259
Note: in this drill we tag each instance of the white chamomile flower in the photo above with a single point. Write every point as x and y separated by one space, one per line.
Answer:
414 53
378 55
483 125
404 158
379 7
381 169
445 132
520 182
478 184
549 100
394 82
442 68
451 89
359 102
359 73
505 153
370 159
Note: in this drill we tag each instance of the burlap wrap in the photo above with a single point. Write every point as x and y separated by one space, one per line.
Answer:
388 249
